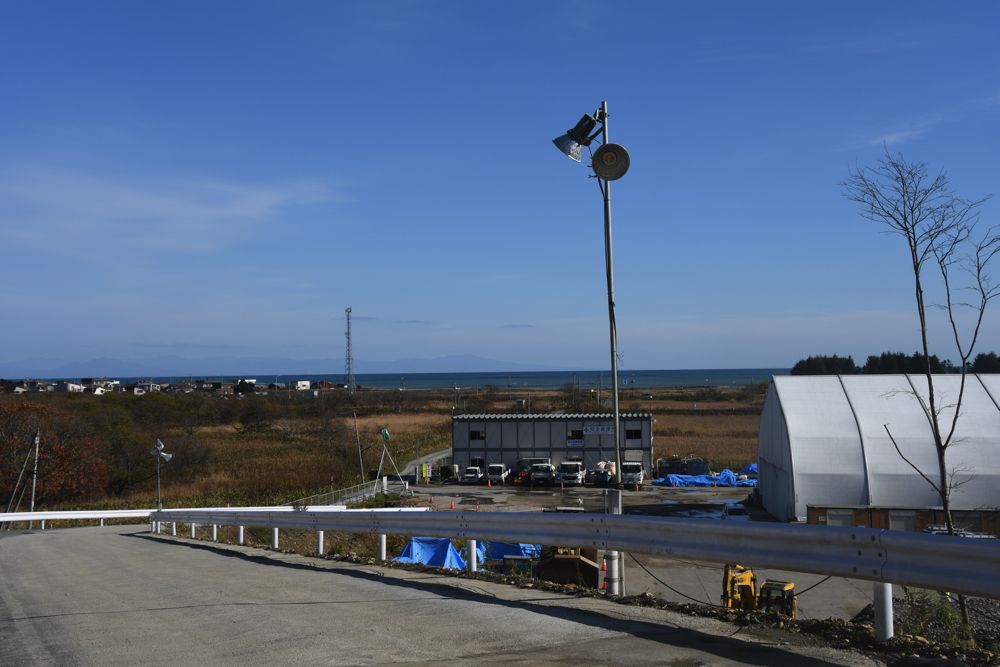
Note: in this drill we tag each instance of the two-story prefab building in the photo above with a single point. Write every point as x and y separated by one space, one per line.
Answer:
508 438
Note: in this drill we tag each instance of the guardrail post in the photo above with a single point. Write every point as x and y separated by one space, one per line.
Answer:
612 577
319 542
883 612
385 485
274 538
240 539
43 524
194 527
381 548
102 523
472 555
215 532
173 528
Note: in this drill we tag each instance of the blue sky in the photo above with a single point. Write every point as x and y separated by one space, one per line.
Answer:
206 179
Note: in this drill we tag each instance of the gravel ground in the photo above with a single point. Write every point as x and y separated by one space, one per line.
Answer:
929 618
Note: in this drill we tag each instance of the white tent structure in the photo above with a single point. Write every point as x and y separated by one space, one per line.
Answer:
823 442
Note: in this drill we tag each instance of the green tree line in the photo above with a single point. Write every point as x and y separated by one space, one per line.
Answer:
890 363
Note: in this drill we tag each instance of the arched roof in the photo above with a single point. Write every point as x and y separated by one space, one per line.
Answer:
841 430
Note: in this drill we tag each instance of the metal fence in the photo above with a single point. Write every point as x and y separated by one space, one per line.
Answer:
354 494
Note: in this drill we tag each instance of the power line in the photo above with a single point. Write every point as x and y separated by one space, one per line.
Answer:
665 584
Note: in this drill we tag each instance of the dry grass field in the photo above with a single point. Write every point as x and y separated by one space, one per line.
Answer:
274 449
294 457
727 440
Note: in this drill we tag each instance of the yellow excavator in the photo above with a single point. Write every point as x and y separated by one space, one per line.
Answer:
739 591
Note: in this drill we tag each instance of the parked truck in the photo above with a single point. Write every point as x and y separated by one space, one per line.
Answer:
571 473
543 473
497 473
632 474
472 475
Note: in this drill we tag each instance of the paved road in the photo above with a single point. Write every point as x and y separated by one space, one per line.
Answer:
115 595
412 467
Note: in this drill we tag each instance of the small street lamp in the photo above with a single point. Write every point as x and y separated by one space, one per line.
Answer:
158 452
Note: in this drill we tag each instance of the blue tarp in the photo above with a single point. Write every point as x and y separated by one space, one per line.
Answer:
436 551
724 478
749 469
498 550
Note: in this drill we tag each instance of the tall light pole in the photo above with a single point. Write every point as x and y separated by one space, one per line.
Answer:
609 162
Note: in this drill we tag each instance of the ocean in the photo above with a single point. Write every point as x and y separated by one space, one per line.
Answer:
738 377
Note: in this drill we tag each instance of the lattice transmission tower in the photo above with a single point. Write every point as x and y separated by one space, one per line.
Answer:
349 380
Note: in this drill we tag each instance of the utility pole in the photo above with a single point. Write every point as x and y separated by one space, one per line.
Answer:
349 357
34 473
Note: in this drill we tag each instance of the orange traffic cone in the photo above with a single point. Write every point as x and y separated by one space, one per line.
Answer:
604 585
604 565
489 483
452 503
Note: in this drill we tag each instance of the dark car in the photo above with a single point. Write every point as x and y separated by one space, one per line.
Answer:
599 477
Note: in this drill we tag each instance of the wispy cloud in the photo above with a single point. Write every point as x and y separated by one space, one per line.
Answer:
909 131
108 216
914 128
516 326
184 347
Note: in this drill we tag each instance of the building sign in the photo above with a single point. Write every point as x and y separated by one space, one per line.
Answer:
598 430
574 443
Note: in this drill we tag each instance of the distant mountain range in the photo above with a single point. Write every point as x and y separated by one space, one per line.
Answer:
174 366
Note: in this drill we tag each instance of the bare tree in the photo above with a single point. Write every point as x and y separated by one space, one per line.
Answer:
940 231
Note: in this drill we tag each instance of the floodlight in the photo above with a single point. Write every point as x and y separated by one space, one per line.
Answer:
166 456
572 143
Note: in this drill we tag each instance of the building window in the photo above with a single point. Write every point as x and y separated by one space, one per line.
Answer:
575 434
902 520
840 517
477 435
633 434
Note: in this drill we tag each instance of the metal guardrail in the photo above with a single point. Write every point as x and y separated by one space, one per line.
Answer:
940 562
72 515
84 515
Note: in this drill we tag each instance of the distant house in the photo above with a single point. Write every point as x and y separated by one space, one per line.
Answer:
303 385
